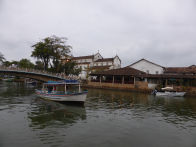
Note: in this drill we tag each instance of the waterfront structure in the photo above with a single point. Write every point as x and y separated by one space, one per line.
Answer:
147 67
122 78
180 78
94 63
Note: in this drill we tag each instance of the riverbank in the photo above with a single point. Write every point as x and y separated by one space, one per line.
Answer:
190 91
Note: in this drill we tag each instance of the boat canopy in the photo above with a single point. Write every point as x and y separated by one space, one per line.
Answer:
167 88
64 82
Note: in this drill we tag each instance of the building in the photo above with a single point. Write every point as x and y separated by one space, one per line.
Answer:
180 78
96 62
123 78
147 67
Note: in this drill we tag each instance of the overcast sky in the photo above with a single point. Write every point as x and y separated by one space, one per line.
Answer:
162 31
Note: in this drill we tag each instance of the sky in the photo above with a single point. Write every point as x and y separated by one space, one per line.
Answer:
162 31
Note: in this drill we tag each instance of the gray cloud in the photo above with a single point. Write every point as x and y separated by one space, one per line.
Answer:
162 31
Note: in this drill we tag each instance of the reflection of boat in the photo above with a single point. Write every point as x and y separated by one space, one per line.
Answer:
168 91
45 113
8 79
63 91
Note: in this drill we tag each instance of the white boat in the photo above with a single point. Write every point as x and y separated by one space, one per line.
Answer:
168 91
53 91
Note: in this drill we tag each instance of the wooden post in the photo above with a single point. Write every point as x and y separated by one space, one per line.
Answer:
113 80
43 88
65 88
79 88
166 83
123 80
134 80
100 79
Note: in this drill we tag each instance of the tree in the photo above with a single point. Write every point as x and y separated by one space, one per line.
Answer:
39 65
25 63
2 59
59 50
7 63
43 52
70 68
51 50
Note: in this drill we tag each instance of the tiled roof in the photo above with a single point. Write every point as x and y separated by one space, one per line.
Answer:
83 57
101 67
105 60
84 63
180 70
121 71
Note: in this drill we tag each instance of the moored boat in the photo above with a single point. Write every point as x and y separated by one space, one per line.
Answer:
168 91
62 91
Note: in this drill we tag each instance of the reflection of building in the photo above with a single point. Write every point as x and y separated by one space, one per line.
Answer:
96 63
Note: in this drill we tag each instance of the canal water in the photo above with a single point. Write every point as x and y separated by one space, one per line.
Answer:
108 119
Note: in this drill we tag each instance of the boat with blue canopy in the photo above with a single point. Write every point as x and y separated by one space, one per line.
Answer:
62 91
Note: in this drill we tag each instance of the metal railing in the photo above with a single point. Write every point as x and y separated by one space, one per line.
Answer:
41 72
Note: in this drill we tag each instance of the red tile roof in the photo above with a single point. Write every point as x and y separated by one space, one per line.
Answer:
180 70
100 67
105 60
83 63
83 57
121 71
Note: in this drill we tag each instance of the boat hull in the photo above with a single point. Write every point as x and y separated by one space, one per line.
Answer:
171 94
79 97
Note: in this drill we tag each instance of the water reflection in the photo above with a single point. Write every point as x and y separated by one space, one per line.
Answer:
177 111
45 113
108 118
116 99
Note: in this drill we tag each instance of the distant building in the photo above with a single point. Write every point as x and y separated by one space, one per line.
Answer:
96 62
148 67
190 70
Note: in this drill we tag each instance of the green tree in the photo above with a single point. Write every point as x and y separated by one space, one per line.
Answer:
70 68
39 65
25 63
2 59
51 50
59 50
43 52
7 63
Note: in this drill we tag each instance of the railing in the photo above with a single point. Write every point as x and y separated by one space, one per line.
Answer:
41 72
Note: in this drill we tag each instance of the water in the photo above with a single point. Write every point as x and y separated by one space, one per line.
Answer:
108 118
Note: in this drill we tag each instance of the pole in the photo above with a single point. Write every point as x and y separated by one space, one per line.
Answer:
65 88
79 88
123 80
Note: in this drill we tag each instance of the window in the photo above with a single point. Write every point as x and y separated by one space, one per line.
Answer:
147 71
157 72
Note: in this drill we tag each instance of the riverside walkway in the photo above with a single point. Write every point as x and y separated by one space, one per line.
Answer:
39 75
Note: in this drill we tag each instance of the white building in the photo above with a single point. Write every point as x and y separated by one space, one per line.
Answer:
148 67
96 62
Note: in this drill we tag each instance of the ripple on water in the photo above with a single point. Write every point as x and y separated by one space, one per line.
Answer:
108 118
